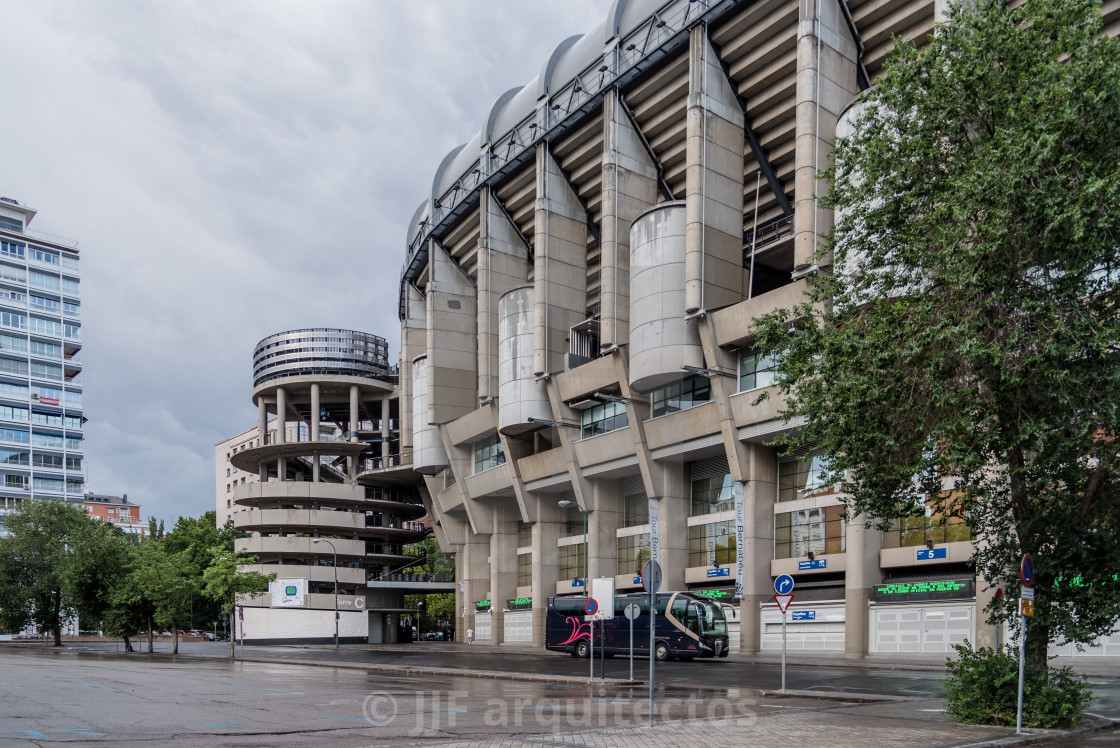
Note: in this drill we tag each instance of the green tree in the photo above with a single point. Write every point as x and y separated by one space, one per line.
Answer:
438 609
36 564
168 581
100 562
195 540
970 327
224 581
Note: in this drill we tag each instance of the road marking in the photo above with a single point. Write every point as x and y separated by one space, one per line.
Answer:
32 733
234 727
77 731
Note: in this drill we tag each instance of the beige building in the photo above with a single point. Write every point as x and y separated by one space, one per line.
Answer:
576 301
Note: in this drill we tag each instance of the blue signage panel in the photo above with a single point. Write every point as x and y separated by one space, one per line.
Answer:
783 585
721 572
818 563
804 615
637 580
577 582
929 554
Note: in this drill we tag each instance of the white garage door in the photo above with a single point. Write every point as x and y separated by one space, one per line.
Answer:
482 626
916 629
519 626
809 628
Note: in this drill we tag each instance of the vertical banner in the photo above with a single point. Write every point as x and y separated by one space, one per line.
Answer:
738 490
654 532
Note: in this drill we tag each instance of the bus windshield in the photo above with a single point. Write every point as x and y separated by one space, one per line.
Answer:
715 624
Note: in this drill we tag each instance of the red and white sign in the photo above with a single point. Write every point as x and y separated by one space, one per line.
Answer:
783 602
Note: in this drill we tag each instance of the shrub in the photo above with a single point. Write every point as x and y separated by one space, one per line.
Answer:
983 685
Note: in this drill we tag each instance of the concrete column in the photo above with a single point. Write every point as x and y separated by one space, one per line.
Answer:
760 494
354 400
262 421
414 343
281 415
472 570
503 570
503 264
385 429
863 574
826 83
629 188
987 635
546 565
560 265
713 183
676 503
452 339
602 527
315 418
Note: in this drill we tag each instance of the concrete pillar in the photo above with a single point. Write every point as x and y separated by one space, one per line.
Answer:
281 415
452 339
262 421
713 182
629 188
386 429
503 570
414 343
503 264
826 83
473 574
560 265
354 401
316 417
676 503
761 491
546 565
602 530
862 576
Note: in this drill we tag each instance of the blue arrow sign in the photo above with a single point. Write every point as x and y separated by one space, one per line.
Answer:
783 585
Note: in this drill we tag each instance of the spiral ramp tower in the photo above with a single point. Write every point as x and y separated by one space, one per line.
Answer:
335 499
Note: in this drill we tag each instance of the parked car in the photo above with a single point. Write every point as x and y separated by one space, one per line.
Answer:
433 636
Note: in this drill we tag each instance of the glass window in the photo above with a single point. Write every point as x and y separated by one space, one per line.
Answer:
72 396
69 261
14 457
46 419
524 569
524 534
44 304
42 255
77 486
13 413
71 308
72 332
11 319
633 553
756 371
73 463
11 249
46 440
69 286
45 326
54 485
46 371
636 510
13 387
74 442
12 366
925 525
575 521
802 477
47 461
571 561
712 495
14 435
12 343
818 530
42 348
15 481
695 390
711 544
488 455
42 280
603 418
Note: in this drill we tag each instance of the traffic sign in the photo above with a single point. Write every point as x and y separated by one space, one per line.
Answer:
651 576
1026 570
632 611
783 585
1026 607
591 607
783 602
1027 593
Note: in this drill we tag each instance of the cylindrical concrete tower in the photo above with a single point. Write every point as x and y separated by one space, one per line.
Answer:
661 341
428 455
520 395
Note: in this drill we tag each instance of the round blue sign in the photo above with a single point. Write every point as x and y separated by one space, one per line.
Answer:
783 585
1026 570
591 607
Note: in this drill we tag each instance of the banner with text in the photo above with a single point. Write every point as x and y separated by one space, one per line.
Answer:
738 491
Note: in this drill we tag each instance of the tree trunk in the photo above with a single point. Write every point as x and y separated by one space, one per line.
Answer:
232 631
174 638
58 619
128 645
1038 639
150 649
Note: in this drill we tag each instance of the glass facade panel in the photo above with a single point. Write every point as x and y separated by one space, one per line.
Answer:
801 477
712 495
571 561
818 530
636 510
524 569
756 371
488 455
633 553
695 390
711 544
603 418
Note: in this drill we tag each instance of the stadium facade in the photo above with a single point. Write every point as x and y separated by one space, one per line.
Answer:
576 300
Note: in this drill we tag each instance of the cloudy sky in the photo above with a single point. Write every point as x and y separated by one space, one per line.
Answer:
234 168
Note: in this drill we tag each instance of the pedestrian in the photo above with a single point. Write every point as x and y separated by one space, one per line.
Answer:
470 636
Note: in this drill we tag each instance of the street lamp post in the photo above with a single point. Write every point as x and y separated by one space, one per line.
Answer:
334 552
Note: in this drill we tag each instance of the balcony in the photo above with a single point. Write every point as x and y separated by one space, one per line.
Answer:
296 545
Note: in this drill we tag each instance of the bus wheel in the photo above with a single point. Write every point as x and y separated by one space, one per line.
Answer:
582 650
661 651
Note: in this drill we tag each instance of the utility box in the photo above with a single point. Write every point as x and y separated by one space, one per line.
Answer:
602 589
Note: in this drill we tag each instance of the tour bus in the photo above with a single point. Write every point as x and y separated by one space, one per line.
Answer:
688 626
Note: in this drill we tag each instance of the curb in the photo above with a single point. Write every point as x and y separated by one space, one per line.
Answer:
1030 737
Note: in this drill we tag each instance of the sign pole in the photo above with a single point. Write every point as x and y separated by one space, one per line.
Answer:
631 648
1026 574
783 588
652 629
783 651
591 659
1022 661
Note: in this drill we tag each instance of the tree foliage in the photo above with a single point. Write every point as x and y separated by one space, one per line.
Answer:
961 357
224 581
